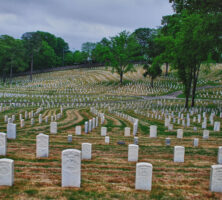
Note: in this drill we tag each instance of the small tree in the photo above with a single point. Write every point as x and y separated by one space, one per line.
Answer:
123 51
153 71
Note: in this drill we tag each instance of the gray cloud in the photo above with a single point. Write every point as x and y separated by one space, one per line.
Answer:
78 21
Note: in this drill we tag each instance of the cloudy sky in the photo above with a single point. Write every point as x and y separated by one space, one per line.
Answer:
79 21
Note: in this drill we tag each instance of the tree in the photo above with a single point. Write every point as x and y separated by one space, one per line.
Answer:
88 48
61 49
196 32
32 42
11 55
101 52
123 51
69 59
193 42
79 57
145 38
194 6
153 71
46 57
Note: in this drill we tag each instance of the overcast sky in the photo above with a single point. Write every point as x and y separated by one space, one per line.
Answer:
79 21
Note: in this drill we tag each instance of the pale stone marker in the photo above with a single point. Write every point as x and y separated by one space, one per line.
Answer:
103 131
78 130
86 151
46 119
90 125
22 123
6 172
204 124
86 127
9 120
40 118
42 145
127 131
32 121
71 168
180 133
143 176
136 140
107 139
133 151
170 127
205 134
216 126
11 131
219 155
168 141
216 178
97 121
166 123
93 123
69 138
195 142
153 131
6 118
179 152
135 128
53 127
3 144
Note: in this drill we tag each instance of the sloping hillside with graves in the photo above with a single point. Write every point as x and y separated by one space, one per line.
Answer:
78 134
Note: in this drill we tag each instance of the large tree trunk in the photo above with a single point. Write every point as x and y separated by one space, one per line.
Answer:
188 89
151 82
121 77
31 70
195 79
4 76
187 102
167 68
11 73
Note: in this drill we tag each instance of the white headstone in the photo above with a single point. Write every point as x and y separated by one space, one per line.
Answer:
6 172
103 131
127 131
195 142
180 133
86 151
71 168
3 144
206 134
216 178
78 130
86 127
153 131
22 123
170 127
42 145
11 131
179 153
40 118
107 139
53 127
219 155
143 176
133 152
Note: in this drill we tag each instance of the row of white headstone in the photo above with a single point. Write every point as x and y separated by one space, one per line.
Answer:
71 171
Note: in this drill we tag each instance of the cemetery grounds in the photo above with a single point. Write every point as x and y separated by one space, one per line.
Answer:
109 175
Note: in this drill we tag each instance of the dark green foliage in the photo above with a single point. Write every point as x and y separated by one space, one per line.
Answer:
122 51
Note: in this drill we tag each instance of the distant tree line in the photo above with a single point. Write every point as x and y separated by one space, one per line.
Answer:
185 40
